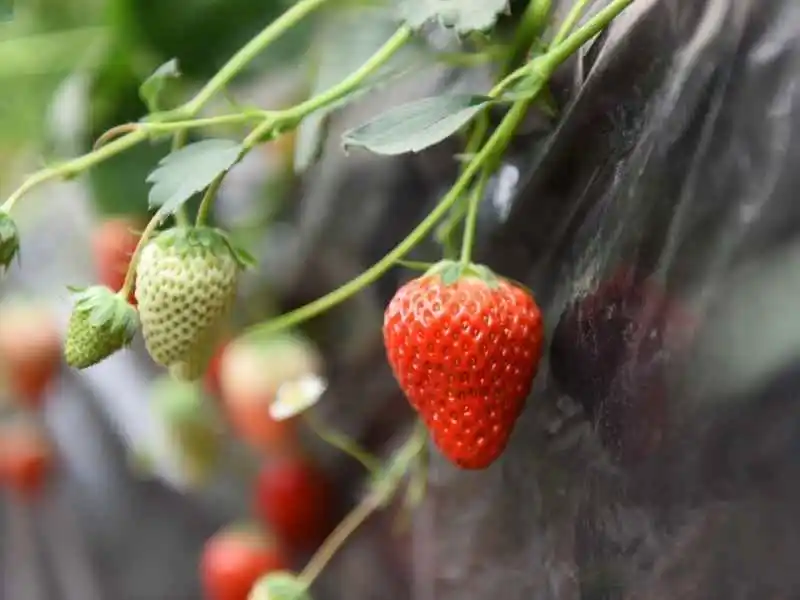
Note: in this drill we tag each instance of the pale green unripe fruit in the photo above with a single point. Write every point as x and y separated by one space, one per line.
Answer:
185 288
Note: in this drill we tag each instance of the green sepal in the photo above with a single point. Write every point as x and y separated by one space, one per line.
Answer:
450 271
9 240
102 322
188 239
280 585
106 308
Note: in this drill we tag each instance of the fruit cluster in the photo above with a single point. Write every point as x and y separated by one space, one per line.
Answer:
291 497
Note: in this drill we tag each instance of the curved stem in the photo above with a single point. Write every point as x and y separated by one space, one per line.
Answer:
530 28
378 496
298 112
232 68
343 443
75 166
208 200
573 16
130 275
337 539
226 119
471 222
558 53
493 146
250 50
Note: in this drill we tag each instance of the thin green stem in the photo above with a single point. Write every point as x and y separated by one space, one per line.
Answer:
533 23
493 146
178 141
252 49
560 52
343 443
572 18
345 87
338 538
75 166
471 222
232 68
544 64
226 119
394 474
130 275
208 200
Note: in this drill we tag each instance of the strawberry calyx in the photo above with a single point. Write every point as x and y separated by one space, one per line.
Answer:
187 240
9 240
450 271
102 322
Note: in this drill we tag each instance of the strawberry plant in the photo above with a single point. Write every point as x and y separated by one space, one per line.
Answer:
464 342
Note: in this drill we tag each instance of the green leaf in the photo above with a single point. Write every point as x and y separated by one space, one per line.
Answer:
151 90
368 28
191 169
415 126
462 15
280 585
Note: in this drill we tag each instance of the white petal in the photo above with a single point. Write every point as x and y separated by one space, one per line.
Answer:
296 396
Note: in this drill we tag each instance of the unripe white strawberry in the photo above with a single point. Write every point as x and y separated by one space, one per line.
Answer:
185 287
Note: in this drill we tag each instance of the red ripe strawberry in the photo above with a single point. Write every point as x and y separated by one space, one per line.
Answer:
30 351
25 457
464 346
234 559
292 499
113 244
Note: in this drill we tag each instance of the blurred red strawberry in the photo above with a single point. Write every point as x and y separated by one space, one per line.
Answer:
30 351
113 244
234 559
25 457
292 498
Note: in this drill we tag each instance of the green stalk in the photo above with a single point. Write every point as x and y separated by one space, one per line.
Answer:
340 90
252 49
493 146
471 222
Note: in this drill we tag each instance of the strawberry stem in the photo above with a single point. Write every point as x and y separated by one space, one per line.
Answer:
343 443
178 141
495 145
471 221
570 20
208 200
394 473
130 274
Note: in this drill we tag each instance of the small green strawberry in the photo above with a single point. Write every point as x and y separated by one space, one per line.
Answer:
9 239
192 426
185 287
101 323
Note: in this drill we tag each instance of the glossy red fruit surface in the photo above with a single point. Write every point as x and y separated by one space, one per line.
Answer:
465 354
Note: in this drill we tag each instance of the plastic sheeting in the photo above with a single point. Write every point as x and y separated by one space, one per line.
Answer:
658 226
